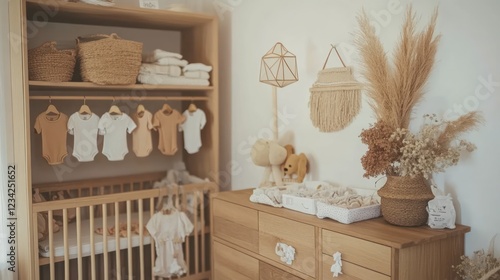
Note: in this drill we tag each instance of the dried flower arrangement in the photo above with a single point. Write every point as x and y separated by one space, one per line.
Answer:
393 93
481 266
433 148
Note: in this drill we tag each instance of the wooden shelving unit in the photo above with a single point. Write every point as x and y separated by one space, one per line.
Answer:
65 86
198 43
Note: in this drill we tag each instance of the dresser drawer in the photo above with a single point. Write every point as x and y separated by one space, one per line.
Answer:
358 251
274 229
269 272
236 224
230 264
350 271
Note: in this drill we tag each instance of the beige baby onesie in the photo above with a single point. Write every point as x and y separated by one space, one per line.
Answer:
53 130
141 136
167 130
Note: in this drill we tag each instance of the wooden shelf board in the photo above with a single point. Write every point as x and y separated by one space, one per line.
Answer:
40 85
81 13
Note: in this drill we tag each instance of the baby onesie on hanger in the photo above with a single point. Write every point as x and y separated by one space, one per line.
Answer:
169 232
167 130
192 127
53 130
115 128
84 128
141 136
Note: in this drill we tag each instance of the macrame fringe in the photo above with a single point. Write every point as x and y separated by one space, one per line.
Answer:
334 110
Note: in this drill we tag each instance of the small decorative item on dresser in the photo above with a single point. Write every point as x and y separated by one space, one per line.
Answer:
108 59
47 63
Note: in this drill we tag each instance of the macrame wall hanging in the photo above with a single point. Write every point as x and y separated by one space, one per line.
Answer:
335 97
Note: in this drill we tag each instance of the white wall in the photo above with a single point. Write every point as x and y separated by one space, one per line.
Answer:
468 53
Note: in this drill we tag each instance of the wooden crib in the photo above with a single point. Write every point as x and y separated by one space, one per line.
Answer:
78 252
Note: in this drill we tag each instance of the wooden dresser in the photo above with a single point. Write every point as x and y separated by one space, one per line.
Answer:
245 235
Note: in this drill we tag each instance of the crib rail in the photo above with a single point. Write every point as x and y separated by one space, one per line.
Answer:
126 254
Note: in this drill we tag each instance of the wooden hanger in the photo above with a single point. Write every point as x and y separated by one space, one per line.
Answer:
140 110
51 109
114 110
84 110
166 109
192 107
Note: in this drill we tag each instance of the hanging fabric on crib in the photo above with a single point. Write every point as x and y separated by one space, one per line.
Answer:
169 228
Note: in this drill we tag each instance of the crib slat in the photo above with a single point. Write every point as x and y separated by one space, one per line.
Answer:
141 238
79 242
184 206
129 237
92 243
51 244
104 209
195 235
202 222
151 212
117 241
65 240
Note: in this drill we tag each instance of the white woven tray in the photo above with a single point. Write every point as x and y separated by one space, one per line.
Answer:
344 215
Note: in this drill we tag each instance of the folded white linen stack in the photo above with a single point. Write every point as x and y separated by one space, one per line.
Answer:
161 67
197 71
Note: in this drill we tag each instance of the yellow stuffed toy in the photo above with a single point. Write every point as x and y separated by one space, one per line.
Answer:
294 165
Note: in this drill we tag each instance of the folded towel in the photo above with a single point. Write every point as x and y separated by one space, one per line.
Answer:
155 79
197 67
158 54
171 70
197 75
171 61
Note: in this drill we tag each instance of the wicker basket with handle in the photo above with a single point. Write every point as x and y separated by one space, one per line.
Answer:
108 59
47 63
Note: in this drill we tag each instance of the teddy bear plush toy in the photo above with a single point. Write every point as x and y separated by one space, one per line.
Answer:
294 164
269 154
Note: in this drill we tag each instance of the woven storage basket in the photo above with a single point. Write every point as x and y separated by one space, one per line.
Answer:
47 63
404 200
109 60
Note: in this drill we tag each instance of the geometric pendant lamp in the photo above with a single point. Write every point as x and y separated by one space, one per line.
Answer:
278 67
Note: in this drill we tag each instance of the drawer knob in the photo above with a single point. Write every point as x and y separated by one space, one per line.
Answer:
285 252
337 264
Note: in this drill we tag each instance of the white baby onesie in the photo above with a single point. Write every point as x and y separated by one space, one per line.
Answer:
169 232
84 128
115 128
192 127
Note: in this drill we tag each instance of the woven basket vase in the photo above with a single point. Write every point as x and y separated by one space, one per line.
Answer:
47 63
109 60
404 200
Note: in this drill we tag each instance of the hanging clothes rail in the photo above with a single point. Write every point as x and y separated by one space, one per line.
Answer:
116 98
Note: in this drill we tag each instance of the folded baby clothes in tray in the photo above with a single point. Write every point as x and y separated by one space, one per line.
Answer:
321 199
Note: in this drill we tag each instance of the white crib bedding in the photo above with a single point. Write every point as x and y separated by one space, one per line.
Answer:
58 241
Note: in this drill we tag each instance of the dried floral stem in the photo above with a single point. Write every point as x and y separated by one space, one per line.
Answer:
394 93
461 125
375 68
490 273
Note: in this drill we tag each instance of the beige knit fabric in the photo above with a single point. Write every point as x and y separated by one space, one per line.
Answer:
335 99
54 133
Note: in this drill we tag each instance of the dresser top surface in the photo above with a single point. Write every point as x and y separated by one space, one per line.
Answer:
375 230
